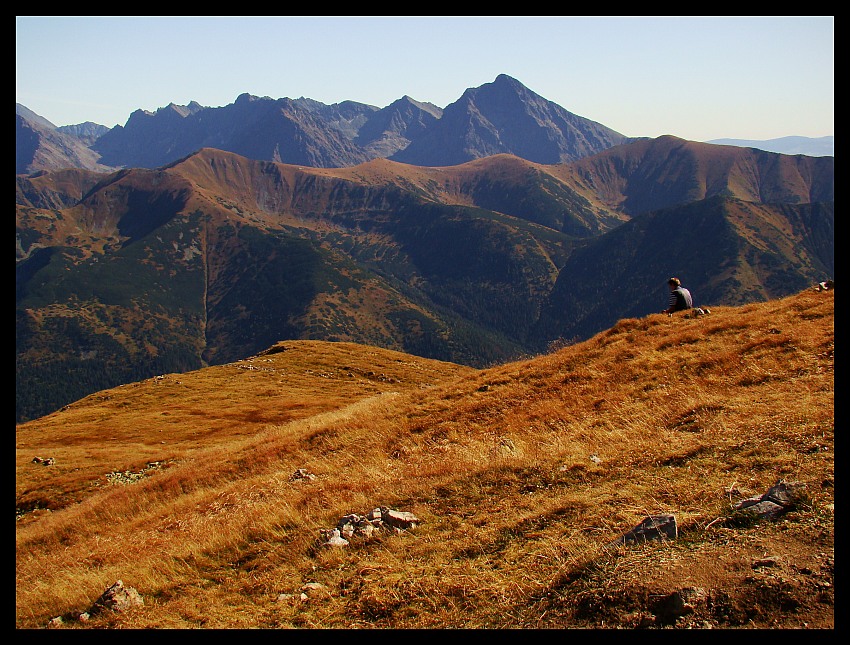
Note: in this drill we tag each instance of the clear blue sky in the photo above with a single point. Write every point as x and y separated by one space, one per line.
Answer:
699 78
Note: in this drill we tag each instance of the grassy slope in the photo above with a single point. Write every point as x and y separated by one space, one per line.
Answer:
681 415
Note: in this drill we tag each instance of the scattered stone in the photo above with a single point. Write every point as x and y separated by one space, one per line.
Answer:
679 603
762 508
314 590
781 497
117 598
302 474
354 525
398 519
333 537
767 561
653 528
130 477
639 620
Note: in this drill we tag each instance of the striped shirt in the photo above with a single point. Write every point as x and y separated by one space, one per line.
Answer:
680 299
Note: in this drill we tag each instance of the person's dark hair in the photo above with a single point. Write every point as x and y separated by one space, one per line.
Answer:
674 282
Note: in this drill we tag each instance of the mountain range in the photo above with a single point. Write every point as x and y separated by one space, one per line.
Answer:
477 234
813 147
499 117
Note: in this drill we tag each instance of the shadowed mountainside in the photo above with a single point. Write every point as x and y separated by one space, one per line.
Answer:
40 145
125 275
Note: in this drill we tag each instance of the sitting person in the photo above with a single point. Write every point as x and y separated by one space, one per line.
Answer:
680 298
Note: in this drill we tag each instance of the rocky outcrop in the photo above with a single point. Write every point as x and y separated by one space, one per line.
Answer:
654 528
368 525
117 598
781 497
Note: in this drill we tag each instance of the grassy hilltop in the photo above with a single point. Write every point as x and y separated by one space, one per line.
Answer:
182 485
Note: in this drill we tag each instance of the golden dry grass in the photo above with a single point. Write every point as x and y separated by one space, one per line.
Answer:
520 475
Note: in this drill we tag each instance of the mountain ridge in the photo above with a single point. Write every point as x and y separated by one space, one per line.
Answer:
307 132
304 131
790 145
475 263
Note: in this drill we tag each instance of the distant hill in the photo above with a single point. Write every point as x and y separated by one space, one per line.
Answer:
141 272
813 147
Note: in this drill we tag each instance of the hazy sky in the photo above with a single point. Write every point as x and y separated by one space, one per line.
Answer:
698 78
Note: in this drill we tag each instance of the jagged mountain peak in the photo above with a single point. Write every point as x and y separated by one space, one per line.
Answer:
422 105
503 82
505 79
245 97
181 110
499 117
392 128
505 89
506 117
